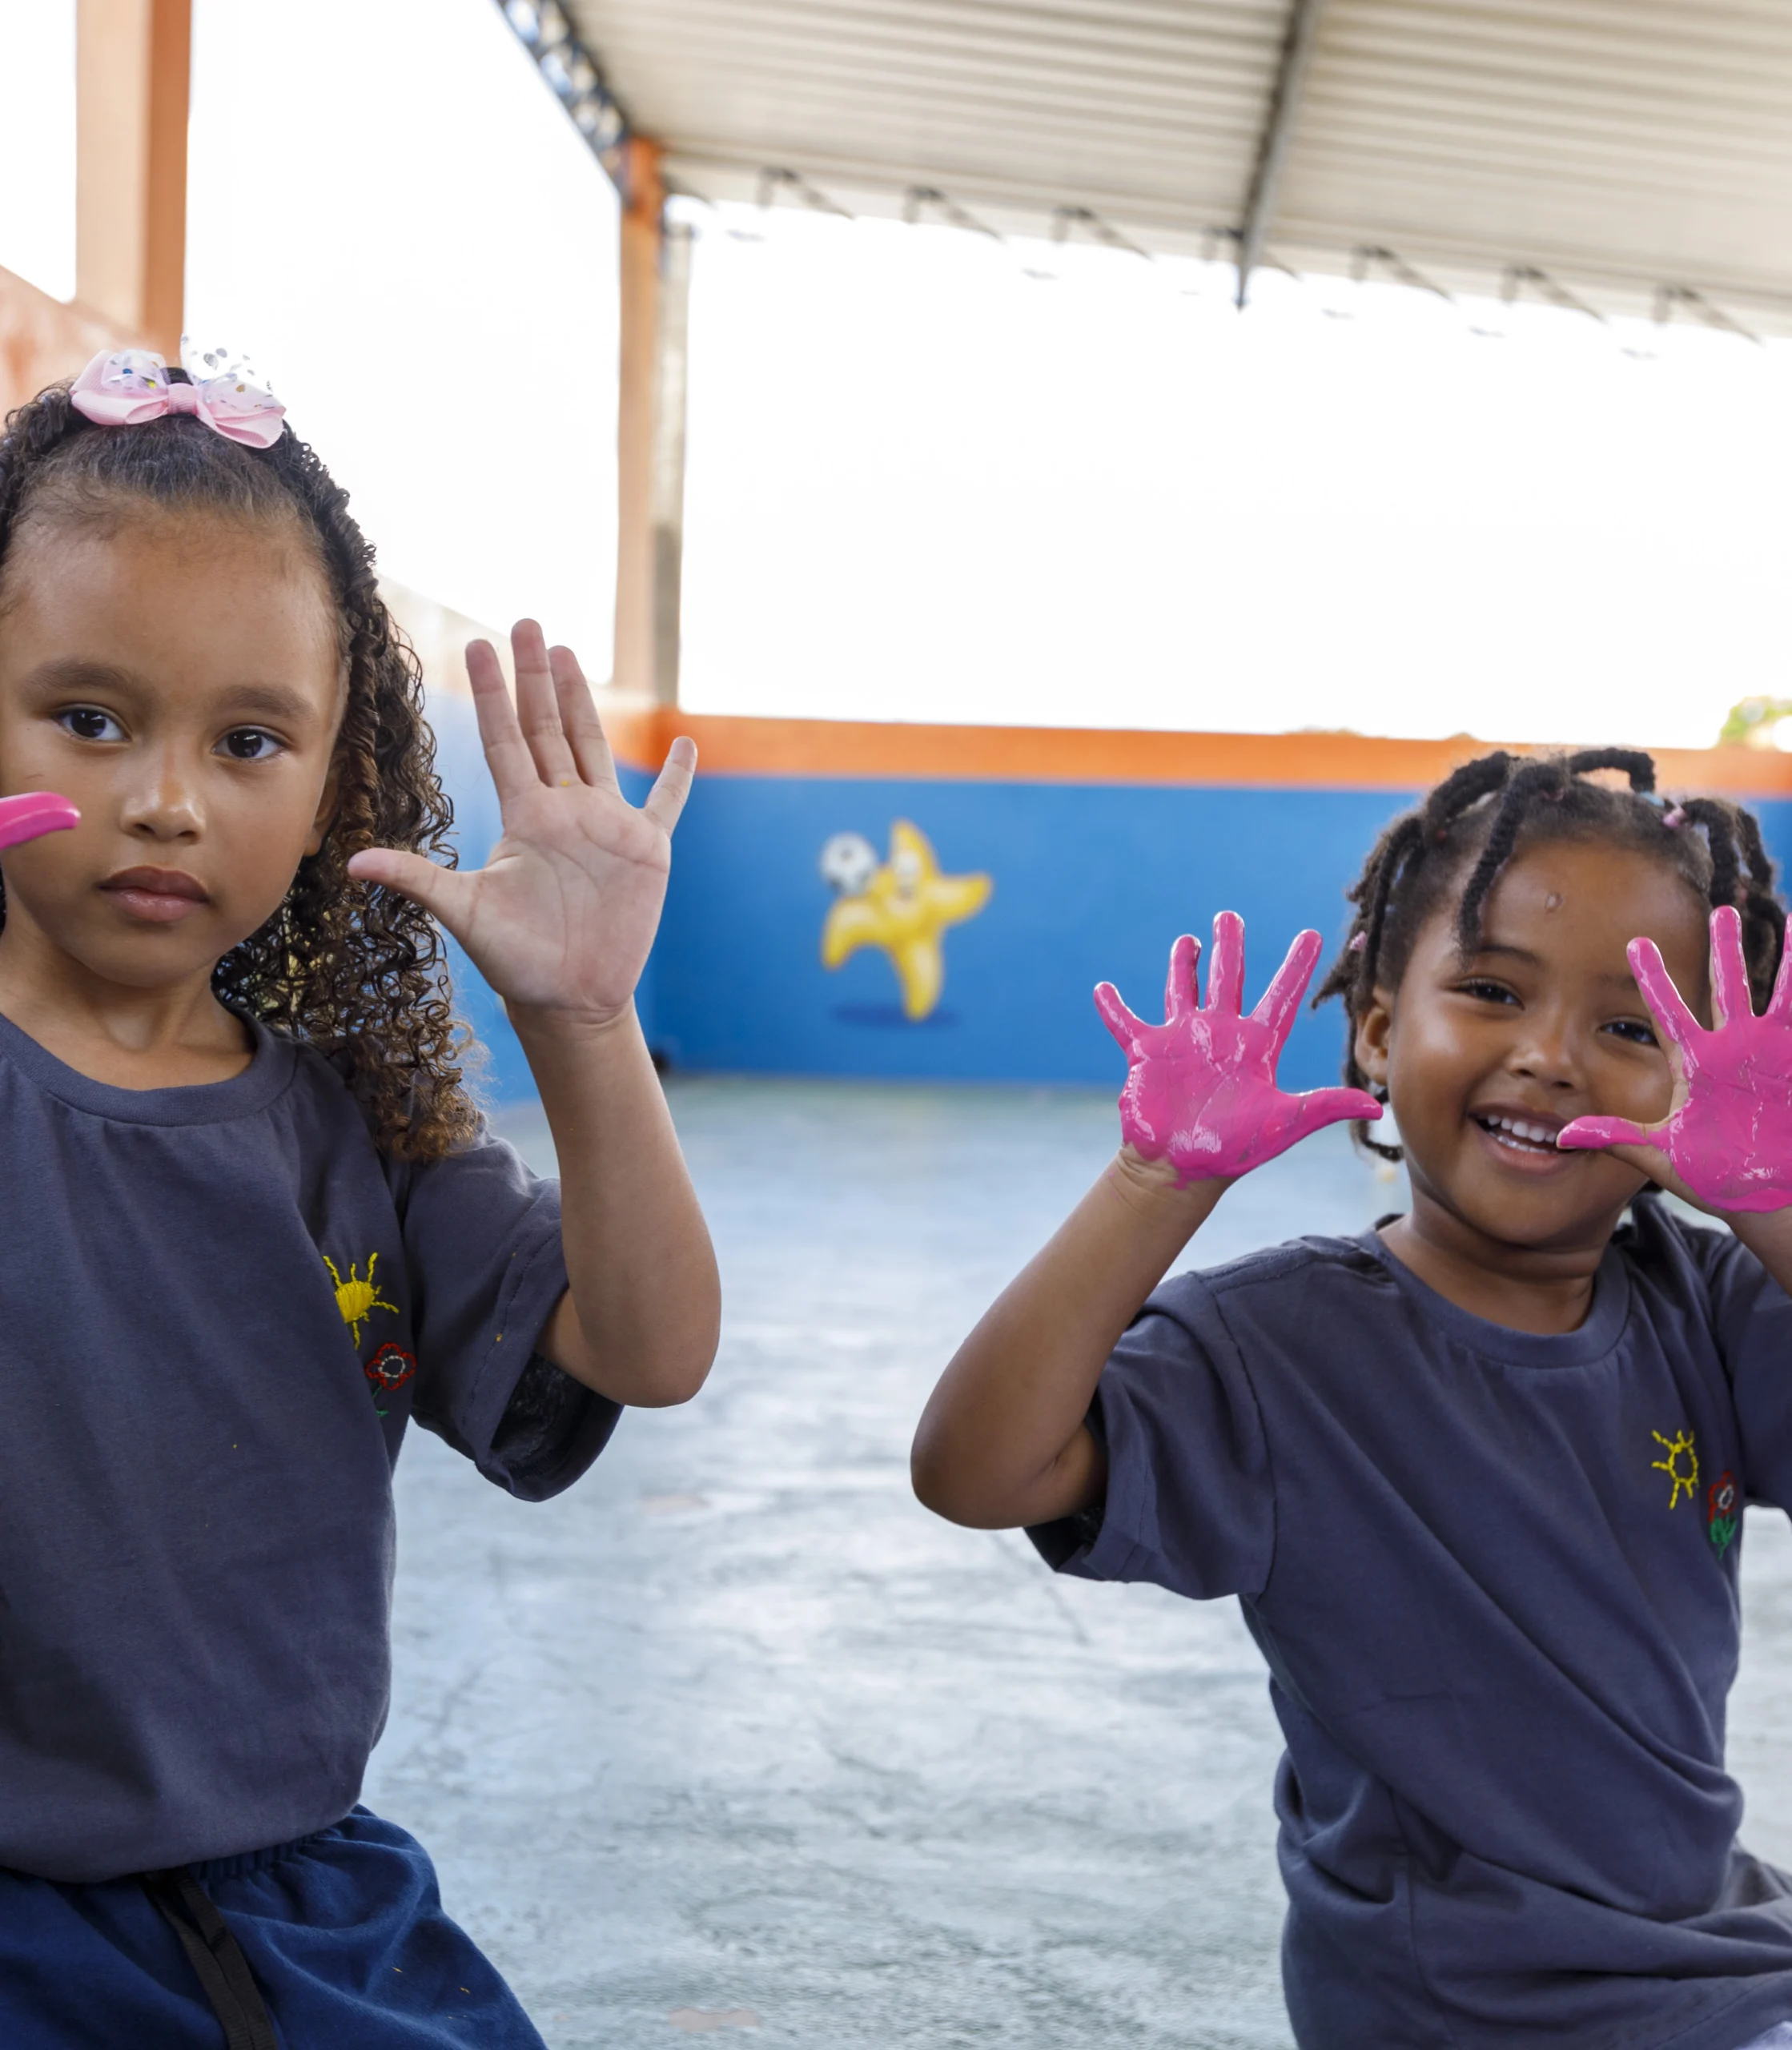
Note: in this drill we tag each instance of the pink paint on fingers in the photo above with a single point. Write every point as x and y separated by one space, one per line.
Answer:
1730 1139
1200 1090
1729 968
1181 993
1667 1005
1280 1004
1115 1016
32 815
1588 1135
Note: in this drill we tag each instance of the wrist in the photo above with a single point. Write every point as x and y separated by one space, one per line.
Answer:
550 1026
1766 1233
1154 1190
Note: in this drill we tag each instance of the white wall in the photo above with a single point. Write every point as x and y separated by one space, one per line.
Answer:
926 484
37 143
389 211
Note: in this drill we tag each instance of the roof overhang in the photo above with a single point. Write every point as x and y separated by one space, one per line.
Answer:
1637 158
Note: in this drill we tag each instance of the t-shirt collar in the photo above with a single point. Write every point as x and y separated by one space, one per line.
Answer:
1596 1337
270 1070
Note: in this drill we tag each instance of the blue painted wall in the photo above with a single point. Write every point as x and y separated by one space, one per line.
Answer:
1091 882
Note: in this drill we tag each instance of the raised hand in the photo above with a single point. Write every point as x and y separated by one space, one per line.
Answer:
1200 1090
560 917
33 814
1728 1135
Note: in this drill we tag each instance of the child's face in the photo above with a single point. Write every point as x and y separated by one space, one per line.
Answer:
178 679
1544 1023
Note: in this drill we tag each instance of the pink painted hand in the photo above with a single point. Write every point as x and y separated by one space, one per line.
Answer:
1201 1089
30 816
1728 1135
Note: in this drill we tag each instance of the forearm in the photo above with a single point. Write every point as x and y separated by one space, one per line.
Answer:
642 1314
1003 1441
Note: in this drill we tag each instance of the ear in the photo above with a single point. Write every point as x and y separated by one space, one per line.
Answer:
1374 1030
326 816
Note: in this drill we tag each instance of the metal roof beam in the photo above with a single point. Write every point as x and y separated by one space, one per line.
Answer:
545 30
1278 135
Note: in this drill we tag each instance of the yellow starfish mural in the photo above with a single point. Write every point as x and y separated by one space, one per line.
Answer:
902 906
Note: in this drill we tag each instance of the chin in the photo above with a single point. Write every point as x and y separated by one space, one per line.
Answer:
149 961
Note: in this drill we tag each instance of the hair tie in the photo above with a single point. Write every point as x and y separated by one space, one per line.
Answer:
1358 943
124 387
1674 819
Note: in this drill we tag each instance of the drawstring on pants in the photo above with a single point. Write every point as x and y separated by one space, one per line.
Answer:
217 1957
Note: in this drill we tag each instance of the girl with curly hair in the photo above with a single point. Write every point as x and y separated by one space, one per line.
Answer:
254 1224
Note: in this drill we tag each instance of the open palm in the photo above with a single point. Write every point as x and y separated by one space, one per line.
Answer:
1726 1141
1200 1089
563 912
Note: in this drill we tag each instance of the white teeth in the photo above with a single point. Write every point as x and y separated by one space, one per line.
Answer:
1534 1135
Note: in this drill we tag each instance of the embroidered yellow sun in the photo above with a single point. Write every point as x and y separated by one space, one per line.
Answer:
1678 1448
358 1299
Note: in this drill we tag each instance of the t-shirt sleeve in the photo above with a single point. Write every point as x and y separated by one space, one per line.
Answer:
483 1253
1753 1322
1190 1502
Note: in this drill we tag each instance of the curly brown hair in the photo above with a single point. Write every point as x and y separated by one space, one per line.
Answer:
1471 824
353 969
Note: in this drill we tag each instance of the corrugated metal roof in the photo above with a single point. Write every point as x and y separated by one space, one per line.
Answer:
1620 146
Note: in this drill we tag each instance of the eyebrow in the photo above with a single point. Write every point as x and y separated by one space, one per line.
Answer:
1622 981
66 673
274 700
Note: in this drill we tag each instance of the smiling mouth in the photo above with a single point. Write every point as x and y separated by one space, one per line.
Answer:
1521 1134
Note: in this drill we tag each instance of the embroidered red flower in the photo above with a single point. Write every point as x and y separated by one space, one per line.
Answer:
1723 1498
390 1368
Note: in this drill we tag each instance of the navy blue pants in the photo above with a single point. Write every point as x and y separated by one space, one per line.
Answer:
344 1931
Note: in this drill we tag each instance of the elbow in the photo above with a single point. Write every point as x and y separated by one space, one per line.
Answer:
677 1377
644 1371
939 1486
924 1478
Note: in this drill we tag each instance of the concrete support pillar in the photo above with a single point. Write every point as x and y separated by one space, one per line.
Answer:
650 434
643 226
667 508
134 61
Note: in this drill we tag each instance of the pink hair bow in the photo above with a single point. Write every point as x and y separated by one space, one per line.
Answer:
127 387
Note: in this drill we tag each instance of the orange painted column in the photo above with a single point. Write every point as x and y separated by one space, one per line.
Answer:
643 232
134 64
170 72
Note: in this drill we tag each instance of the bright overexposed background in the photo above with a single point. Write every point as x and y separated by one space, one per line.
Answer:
37 143
391 214
933 476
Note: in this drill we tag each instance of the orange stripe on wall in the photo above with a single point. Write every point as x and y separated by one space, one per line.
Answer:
1052 754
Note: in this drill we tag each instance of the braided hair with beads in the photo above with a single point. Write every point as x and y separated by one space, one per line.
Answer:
1471 824
347 967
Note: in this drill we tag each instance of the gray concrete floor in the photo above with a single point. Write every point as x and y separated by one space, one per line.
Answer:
736 1736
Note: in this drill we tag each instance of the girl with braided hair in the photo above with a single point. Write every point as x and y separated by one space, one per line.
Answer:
1474 1474
254 1223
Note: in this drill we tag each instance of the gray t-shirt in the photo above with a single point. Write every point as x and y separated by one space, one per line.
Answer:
222 1306
1494 1577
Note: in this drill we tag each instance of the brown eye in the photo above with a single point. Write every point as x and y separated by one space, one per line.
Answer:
250 744
88 722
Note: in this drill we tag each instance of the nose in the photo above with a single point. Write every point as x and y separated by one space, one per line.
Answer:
1548 1052
162 803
